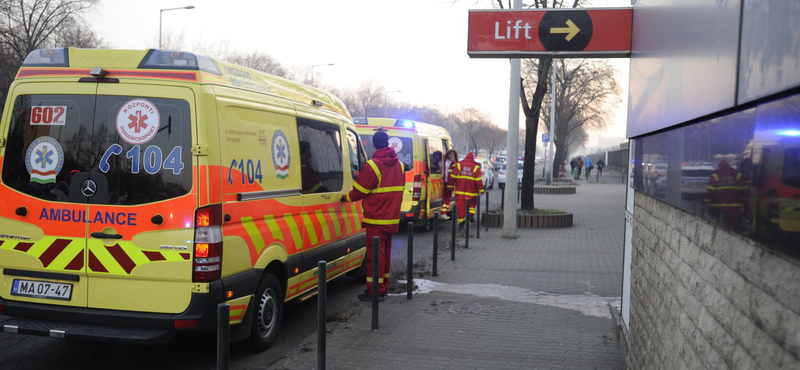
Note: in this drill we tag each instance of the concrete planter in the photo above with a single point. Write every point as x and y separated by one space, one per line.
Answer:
544 189
495 219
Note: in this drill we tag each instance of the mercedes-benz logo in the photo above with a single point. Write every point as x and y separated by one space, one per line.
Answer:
88 188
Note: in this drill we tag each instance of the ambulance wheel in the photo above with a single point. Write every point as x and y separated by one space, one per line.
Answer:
267 312
425 227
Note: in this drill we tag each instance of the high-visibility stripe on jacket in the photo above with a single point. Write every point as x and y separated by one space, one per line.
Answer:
726 188
468 179
380 184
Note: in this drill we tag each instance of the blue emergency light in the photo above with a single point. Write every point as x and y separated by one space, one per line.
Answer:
404 123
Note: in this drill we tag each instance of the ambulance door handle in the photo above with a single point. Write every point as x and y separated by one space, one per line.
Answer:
106 236
227 217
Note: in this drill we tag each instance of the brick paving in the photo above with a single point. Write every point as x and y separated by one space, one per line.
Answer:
540 301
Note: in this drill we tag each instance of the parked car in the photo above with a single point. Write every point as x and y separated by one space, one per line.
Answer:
486 173
497 164
501 175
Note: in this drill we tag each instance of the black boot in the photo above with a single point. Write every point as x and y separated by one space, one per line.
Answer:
472 218
461 225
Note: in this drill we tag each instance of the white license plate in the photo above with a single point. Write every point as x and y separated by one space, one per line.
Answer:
41 289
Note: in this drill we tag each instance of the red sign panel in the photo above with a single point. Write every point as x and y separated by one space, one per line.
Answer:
580 33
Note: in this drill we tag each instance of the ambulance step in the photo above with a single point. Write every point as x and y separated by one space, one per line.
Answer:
82 331
308 295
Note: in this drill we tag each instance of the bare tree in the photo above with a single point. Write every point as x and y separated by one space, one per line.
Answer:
585 90
27 25
472 123
259 61
365 100
532 109
74 33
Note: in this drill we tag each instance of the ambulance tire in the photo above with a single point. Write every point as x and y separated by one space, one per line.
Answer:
267 313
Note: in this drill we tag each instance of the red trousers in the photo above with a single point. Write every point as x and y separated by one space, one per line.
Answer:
448 197
385 263
461 203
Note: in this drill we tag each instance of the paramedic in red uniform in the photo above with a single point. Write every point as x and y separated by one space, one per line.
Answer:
380 184
724 196
450 182
468 185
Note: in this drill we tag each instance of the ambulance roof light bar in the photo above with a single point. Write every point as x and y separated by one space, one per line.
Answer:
404 123
171 59
360 120
52 57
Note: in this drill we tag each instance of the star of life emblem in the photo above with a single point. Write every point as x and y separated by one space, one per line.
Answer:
138 121
281 154
44 159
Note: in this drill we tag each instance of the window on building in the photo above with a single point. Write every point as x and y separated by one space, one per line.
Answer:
320 156
741 171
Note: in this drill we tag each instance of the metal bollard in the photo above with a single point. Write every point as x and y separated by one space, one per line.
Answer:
322 309
466 221
410 273
478 218
376 260
503 198
487 212
435 244
519 192
453 235
223 336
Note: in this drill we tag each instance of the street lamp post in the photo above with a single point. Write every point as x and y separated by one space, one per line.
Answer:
160 16
317 65
384 99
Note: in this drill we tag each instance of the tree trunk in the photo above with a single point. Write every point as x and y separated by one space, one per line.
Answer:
559 156
532 131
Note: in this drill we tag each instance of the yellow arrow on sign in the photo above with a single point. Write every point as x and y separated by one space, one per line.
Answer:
571 30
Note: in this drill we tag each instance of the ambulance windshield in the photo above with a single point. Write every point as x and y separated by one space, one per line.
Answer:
134 150
403 146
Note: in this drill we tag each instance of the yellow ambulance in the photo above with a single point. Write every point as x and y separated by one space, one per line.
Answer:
421 148
140 189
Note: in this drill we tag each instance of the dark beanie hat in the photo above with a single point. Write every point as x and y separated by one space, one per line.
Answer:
381 139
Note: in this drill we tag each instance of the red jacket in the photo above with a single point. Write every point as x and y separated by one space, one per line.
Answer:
381 184
468 177
726 188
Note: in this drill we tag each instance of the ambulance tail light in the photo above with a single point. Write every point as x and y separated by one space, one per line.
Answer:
773 203
2 310
417 187
207 264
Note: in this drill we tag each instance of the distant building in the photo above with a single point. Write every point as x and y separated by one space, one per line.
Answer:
712 255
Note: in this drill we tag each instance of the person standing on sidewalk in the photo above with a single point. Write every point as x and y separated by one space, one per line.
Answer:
588 164
449 181
600 165
380 184
468 185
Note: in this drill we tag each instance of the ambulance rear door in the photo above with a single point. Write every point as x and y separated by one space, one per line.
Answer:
435 175
142 197
42 212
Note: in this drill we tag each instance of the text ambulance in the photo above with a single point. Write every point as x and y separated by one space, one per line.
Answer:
140 189
421 147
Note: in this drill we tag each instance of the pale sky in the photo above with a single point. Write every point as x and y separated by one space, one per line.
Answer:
416 46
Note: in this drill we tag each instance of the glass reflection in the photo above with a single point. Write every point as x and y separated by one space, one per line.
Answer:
741 171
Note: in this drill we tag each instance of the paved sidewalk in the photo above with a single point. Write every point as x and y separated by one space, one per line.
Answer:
541 301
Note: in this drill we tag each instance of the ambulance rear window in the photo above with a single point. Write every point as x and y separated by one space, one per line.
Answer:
404 147
136 150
